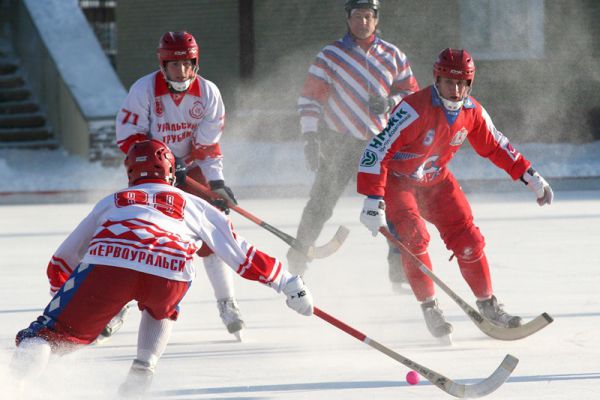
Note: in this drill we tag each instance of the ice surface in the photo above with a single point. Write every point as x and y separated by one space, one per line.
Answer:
542 259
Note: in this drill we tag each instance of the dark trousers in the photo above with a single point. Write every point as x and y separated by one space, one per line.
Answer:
338 164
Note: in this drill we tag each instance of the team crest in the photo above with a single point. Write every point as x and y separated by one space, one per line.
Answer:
459 137
158 107
197 110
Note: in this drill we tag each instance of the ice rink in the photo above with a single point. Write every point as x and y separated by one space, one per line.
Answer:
542 260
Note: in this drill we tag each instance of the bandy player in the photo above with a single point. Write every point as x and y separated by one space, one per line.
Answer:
185 111
138 244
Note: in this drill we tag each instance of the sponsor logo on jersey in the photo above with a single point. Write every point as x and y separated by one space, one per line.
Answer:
159 109
197 110
427 171
402 116
168 139
459 137
178 126
124 252
369 158
405 156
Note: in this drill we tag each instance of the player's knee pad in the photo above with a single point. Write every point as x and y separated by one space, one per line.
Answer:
469 244
412 235
416 241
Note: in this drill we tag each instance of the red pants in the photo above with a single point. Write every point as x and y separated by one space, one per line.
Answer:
94 294
444 205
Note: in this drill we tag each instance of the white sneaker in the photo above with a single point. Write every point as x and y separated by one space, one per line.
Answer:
231 316
138 381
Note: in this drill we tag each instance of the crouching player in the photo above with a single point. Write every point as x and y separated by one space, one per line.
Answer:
138 244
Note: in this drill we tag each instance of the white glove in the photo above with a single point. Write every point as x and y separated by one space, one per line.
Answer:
299 298
538 186
373 214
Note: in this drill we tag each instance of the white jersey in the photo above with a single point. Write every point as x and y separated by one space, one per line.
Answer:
190 123
156 228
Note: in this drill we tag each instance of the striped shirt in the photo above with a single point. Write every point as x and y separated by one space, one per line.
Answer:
343 78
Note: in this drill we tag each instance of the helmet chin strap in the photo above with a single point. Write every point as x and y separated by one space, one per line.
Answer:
449 104
179 86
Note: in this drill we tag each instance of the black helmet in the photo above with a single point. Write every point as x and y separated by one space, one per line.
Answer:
353 4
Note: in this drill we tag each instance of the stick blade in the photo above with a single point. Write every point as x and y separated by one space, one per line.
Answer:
488 385
330 247
519 332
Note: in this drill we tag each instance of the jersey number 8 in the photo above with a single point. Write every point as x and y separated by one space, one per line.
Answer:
170 204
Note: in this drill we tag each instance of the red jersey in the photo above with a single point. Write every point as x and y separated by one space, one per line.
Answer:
422 137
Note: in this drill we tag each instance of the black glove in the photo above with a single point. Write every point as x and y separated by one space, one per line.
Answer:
180 171
312 152
225 193
380 105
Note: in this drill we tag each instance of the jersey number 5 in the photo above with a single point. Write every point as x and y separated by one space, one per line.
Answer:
169 203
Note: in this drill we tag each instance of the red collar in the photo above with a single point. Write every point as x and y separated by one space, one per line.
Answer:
150 180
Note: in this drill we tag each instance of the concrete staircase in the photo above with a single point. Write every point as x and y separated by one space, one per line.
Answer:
22 122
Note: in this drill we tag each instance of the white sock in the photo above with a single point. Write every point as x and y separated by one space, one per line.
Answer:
153 337
220 277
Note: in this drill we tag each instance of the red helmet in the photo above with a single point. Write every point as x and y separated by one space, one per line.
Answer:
150 159
454 64
177 46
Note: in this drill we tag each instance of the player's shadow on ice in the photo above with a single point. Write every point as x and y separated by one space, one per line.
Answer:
316 386
319 386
